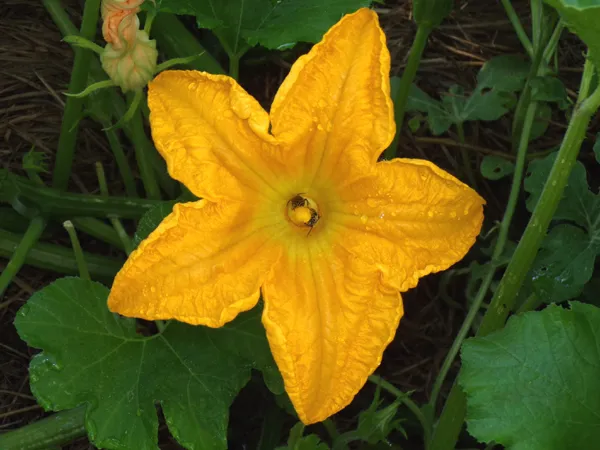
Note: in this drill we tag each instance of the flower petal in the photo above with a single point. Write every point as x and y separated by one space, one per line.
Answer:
213 134
335 103
203 265
409 219
328 320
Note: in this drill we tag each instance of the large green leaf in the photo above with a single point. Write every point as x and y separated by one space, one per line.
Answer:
535 385
582 17
568 253
271 23
94 357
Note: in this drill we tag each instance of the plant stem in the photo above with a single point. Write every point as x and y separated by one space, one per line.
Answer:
496 255
414 59
79 258
98 229
57 429
89 225
58 259
51 201
234 66
121 160
116 223
19 256
141 155
503 301
466 160
519 30
404 398
74 105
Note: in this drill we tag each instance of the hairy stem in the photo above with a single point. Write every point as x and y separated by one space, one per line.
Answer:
74 105
55 430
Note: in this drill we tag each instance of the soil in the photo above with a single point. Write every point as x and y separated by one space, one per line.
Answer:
34 72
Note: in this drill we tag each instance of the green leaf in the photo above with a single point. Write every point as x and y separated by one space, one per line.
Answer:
375 425
271 23
564 264
298 442
543 115
535 385
578 203
495 167
505 73
431 13
93 357
582 18
480 105
549 89
150 220
438 118
568 253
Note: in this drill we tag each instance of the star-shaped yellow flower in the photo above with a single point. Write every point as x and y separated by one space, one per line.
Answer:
296 206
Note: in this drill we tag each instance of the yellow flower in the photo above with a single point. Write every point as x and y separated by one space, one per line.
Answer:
296 206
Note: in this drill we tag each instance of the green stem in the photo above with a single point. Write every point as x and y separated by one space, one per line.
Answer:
53 202
58 259
19 256
79 258
116 223
553 41
98 229
55 430
121 160
73 106
142 155
519 30
234 66
89 225
331 429
504 298
414 59
466 160
496 256
405 399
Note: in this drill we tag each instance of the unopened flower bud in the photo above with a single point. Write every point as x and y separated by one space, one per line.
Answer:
133 66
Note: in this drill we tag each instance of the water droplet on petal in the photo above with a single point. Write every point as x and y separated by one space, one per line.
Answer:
364 219
430 213
371 202
453 214
152 289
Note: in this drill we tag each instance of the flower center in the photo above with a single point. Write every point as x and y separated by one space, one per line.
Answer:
303 211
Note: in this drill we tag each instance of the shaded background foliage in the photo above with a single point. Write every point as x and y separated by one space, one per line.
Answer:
34 71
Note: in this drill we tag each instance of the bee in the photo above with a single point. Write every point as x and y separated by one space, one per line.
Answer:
300 202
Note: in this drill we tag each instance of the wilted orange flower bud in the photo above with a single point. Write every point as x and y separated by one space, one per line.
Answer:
120 27
131 67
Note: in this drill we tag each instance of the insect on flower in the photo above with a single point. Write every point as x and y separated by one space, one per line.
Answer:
304 210
332 301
